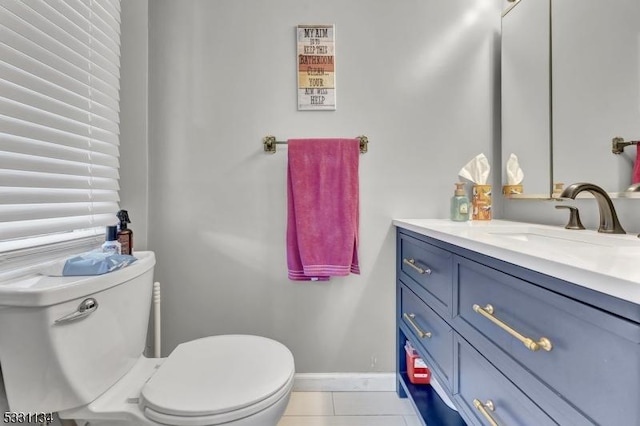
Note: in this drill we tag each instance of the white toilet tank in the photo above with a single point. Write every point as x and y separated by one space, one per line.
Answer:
49 366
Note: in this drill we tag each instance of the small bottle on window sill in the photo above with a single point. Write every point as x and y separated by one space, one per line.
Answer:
125 235
111 244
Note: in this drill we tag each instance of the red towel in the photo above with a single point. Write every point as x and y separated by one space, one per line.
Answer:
635 177
323 208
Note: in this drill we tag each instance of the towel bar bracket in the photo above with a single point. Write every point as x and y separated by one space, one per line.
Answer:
270 143
364 144
618 144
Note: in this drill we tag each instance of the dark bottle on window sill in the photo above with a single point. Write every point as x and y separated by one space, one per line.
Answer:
125 235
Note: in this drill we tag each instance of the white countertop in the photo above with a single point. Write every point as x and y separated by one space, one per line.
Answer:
606 263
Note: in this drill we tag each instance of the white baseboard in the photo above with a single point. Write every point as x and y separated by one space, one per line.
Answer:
344 382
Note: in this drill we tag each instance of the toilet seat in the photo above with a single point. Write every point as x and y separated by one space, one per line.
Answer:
218 379
218 419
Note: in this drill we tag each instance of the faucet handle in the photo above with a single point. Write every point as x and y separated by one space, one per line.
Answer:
574 217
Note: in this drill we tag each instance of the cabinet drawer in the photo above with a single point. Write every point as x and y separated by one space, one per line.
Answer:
484 392
589 363
430 268
430 332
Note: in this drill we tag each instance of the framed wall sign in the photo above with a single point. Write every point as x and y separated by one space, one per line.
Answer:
316 67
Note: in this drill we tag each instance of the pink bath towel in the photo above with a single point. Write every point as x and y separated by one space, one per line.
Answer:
323 208
635 178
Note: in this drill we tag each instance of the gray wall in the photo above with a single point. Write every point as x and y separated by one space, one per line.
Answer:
420 79
134 156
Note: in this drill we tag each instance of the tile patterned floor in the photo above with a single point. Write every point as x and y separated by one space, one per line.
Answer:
348 409
341 409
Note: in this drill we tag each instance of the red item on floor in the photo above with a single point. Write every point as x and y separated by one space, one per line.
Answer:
417 370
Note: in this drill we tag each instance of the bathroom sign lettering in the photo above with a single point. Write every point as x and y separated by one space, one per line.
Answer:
316 67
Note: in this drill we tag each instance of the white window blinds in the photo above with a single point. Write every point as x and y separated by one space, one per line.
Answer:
59 118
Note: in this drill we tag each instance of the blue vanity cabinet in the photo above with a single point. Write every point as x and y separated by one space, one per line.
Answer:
591 370
579 363
484 394
429 333
423 296
428 269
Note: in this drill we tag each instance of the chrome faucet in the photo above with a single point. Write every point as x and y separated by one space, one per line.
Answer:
608 218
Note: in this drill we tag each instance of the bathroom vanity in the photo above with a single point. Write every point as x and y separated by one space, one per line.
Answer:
520 324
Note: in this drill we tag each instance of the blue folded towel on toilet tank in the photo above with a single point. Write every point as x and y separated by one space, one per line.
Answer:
96 263
90 263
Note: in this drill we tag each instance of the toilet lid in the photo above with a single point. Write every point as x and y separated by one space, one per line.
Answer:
218 374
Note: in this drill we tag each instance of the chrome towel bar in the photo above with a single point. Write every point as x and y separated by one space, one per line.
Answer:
270 143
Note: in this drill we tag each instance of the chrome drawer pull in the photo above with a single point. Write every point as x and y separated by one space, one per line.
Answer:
412 263
528 342
410 318
483 409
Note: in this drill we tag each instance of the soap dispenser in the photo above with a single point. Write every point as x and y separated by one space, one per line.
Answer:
460 204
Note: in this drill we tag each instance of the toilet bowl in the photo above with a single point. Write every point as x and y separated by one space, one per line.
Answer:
91 369
235 380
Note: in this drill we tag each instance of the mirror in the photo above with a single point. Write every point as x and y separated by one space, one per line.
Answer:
571 83
526 94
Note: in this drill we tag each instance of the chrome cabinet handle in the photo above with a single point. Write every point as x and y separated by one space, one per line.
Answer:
410 318
86 308
528 342
483 409
412 263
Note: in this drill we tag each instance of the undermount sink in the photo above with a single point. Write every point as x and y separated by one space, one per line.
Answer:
533 237
566 238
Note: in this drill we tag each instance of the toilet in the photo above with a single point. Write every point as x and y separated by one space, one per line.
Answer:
73 345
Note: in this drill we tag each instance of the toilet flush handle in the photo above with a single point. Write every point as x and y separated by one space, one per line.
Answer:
86 307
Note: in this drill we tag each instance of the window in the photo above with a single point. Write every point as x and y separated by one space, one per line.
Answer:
59 120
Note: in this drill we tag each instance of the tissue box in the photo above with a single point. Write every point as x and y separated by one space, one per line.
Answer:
508 190
417 370
481 202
